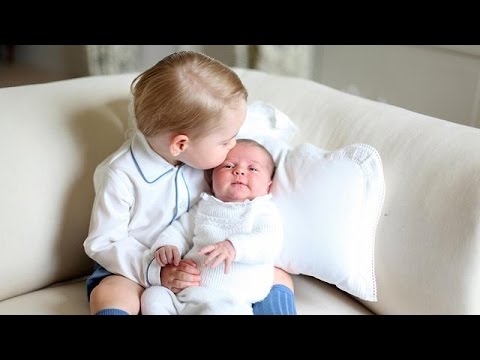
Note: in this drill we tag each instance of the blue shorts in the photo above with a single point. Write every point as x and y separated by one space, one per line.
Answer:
99 273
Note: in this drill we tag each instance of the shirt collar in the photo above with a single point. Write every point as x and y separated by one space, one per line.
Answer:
151 165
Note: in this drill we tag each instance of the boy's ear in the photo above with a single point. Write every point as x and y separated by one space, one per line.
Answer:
179 144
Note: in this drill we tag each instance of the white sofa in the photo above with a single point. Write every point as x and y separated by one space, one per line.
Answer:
427 254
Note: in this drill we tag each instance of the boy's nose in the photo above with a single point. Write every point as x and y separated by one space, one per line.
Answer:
238 172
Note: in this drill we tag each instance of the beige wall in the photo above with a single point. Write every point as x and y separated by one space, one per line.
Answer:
71 60
437 80
441 81
67 60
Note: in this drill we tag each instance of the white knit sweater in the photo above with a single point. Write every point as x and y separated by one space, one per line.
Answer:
255 229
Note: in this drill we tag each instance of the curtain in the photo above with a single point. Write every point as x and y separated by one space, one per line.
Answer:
112 59
292 60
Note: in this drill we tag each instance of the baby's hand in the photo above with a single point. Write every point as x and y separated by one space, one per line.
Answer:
222 251
167 254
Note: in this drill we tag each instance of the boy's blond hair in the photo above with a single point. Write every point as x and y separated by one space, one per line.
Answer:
184 92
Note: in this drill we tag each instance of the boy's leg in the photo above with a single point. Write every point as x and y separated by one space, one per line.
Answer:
280 300
115 294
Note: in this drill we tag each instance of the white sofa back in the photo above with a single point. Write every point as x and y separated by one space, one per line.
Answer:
53 137
428 243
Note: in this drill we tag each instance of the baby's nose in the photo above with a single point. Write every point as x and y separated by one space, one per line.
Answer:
238 172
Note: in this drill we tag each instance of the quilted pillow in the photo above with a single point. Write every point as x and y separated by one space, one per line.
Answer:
269 126
330 202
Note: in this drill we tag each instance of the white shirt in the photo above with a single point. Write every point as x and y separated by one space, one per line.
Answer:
138 194
255 230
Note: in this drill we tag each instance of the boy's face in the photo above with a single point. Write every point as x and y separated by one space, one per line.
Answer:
245 174
209 151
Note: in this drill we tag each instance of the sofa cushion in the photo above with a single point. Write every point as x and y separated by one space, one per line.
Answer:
312 297
68 298
315 297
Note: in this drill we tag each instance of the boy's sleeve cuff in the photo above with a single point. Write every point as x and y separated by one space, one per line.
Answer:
153 273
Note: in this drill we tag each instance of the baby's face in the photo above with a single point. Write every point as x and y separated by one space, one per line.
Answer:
245 174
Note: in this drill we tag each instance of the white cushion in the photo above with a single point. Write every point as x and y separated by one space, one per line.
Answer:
269 126
331 203
264 118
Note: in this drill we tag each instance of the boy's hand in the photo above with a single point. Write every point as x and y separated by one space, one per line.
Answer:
177 278
222 251
167 254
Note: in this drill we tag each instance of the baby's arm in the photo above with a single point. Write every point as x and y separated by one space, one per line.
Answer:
172 244
258 246
216 253
263 243
178 234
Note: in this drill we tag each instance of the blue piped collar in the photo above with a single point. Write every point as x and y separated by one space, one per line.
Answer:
151 165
